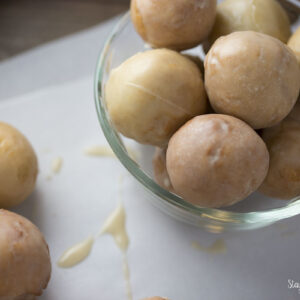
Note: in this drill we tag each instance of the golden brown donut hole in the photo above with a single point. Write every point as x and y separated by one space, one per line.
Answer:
18 166
283 142
252 76
174 24
24 258
216 160
294 44
153 93
265 16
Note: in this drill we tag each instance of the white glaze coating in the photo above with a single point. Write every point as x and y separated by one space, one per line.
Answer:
76 254
115 226
56 164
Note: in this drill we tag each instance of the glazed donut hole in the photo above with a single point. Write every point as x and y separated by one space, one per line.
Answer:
265 16
173 24
253 77
25 265
294 43
18 166
208 152
153 93
283 142
216 160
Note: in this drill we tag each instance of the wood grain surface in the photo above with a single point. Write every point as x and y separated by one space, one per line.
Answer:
28 23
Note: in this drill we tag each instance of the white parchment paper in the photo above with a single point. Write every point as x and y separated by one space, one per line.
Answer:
61 121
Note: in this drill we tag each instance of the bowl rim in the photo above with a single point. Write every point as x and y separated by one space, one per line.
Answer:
224 216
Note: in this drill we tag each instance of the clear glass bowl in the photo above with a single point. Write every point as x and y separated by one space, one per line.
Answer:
254 212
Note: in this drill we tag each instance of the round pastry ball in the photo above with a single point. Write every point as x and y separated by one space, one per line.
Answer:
18 166
174 24
252 76
283 142
161 175
265 16
216 160
24 258
153 93
294 43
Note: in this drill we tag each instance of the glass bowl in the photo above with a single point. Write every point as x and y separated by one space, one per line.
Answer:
254 212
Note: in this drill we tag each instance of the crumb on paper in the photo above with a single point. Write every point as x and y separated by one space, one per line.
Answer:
217 247
56 164
121 179
214 228
134 154
98 150
46 150
48 177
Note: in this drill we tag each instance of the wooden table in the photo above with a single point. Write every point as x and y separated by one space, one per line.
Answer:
28 23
